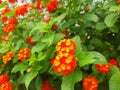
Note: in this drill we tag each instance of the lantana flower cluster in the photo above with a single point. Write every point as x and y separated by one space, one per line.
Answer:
65 62
90 83
4 82
46 86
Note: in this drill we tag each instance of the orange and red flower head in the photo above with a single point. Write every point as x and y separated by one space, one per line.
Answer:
13 20
47 86
12 1
23 54
9 28
4 83
65 62
52 6
113 62
3 78
7 57
6 10
21 10
103 68
29 41
90 83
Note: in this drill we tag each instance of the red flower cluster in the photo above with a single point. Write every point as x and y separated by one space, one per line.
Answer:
47 86
13 20
5 18
29 41
9 28
113 62
65 62
4 83
103 68
7 57
65 32
90 83
21 10
24 53
0 1
12 1
52 6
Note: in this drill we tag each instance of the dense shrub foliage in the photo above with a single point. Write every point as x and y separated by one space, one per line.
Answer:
60 45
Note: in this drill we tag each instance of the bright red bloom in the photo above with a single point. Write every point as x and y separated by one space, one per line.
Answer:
65 32
3 79
103 68
12 1
0 1
90 83
52 6
39 4
13 20
24 53
47 86
6 10
4 19
9 28
21 10
6 86
29 41
7 57
113 62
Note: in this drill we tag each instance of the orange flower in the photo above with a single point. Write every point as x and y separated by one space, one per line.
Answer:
13 21
64 62
21 10
3 79
6 10
29 41
12 1
103 68
6 86
6 38
9 28
7 57
118 1
113 62
24 53
90 83
52 6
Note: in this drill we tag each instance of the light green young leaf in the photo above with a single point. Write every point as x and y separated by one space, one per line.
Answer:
114 82
69 81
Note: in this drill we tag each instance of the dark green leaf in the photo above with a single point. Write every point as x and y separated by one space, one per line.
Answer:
38 83
100 26
29 77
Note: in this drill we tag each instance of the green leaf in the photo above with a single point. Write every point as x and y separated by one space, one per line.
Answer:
90 17
100 26
69 81
41 56
78 45
3 4
68 23
114 83
11 13
29 77
85 58
4 50
58 37
38 47
38 83
114 8
110 19
48 39
19 67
